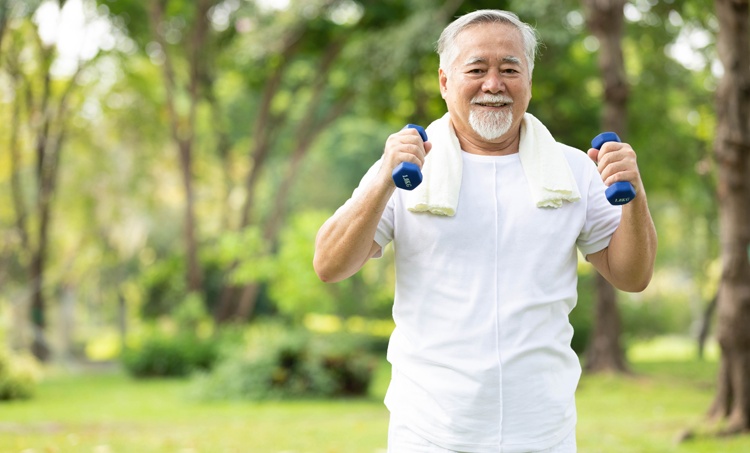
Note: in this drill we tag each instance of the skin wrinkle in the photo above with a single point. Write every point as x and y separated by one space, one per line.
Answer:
494 65
505 59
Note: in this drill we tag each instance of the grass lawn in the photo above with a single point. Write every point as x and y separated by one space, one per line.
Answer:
110 413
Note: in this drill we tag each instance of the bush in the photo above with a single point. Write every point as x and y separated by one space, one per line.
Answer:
19 375
277 362
161 355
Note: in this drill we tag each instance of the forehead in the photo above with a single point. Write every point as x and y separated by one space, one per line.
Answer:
489 40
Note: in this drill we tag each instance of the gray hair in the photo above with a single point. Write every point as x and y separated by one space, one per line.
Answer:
446 44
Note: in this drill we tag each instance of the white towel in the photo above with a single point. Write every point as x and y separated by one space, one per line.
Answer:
441 172
549 175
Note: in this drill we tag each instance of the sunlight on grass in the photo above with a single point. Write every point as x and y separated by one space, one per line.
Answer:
671 349
111 413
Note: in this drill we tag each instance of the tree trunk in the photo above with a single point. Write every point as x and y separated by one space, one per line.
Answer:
604 352
706 325
605 20
183 129
195 276
307 134
732 149
39 346
122 319
67 322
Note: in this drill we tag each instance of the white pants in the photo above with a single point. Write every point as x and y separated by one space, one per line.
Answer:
403 440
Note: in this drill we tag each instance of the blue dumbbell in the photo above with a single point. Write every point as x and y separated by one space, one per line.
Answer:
407 175
620 192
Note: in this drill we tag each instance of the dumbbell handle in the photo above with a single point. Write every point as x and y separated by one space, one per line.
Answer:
620 192
407 175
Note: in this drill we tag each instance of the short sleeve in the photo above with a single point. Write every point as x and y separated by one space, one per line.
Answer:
384 232
602 218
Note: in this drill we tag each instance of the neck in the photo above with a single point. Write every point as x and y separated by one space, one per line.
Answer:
472 143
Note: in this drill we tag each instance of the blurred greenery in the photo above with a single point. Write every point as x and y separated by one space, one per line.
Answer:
160 355
292 75
279 108
110 412
278 362
19 375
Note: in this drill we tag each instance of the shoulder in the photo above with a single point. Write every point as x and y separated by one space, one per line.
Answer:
579 161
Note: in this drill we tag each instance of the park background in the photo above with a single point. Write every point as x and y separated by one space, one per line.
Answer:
165 166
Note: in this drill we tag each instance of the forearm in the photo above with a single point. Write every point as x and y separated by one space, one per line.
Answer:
345 242
632 250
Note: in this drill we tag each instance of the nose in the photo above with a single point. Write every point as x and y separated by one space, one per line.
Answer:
493 83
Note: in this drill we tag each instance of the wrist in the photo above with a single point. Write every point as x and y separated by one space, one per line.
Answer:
383 185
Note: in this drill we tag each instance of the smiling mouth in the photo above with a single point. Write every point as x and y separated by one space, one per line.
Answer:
492 104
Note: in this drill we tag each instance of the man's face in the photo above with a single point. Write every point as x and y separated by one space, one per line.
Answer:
489 87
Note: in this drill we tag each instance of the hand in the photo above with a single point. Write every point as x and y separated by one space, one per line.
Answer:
617 162
403 146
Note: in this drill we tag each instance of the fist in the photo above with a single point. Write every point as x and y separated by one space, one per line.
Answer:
403 146
617 162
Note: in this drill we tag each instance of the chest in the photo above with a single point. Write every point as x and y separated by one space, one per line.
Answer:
495 214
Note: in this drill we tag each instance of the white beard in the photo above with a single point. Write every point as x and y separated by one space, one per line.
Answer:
491 125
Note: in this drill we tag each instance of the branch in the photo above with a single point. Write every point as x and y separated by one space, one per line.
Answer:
304 143
196 54
3 20
261 144
156 13
53 155
15 181
446 13
41 142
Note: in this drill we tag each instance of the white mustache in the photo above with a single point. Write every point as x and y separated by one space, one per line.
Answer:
492 99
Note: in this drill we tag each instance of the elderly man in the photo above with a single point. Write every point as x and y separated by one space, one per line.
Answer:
485 253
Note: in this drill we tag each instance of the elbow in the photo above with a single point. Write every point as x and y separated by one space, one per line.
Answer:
324 272
320 270
645 282
637 286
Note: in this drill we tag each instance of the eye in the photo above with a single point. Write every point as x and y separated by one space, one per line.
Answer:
475 71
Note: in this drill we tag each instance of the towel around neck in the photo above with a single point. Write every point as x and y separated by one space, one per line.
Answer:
550 178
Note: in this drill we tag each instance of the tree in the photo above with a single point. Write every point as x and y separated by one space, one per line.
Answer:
46 114
327 103
732 150
605 20
183 126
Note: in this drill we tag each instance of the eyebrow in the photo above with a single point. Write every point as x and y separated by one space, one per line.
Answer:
507 59
512 60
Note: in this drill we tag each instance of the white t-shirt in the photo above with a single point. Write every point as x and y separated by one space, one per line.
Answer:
481 351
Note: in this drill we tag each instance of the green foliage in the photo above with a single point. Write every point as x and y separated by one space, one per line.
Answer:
164 287
281 362
582 316
164 290
19 375
119 211
163 355
190 312
181 345
250 251
296 288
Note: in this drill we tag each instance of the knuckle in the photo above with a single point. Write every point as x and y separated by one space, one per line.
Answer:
413 159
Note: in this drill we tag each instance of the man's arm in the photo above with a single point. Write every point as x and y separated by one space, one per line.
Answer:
628 261
347 240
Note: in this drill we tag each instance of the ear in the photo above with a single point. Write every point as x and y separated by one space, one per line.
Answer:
443 83
530 90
